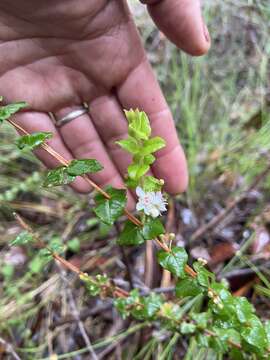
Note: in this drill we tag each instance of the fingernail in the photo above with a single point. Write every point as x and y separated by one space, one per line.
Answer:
206 33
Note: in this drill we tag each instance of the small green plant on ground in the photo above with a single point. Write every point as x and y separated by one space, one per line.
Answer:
202 309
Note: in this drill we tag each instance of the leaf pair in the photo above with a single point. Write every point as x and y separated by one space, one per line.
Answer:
141 146
32 141
174 260
109 210
64 175
135 235
142 308
8 110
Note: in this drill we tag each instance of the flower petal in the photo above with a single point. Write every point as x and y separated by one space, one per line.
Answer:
154 212
140 206
140 192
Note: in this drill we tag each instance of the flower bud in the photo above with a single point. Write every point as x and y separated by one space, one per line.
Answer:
163 237
202 260
161 182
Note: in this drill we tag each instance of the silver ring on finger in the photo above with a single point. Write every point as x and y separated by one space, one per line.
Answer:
72 115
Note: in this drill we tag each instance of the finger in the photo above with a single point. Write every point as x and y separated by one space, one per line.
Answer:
181 21
82 139
33 121
141 90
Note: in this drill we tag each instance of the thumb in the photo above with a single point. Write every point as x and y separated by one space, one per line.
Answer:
181 21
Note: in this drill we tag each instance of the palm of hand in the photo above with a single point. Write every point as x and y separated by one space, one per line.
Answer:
56 58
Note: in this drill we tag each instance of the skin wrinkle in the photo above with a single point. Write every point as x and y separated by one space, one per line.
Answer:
76 13
63 58
70 60
93 27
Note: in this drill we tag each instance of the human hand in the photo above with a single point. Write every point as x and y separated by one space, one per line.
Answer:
58 54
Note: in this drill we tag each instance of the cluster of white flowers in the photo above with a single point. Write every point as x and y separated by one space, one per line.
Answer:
152 203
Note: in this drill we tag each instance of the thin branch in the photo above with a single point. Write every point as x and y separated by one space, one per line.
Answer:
76 315
114 290
130 216
65 162
223 214
84 314
9 349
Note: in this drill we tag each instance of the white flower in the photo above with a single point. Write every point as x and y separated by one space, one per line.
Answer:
152 203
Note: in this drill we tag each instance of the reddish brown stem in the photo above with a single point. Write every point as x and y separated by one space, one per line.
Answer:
65 162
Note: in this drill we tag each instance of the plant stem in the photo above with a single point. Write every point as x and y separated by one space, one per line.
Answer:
65 162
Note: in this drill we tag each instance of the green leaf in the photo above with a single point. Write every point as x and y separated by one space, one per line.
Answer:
152 184
37 264
187 287
109 210
174 261
267 330
56 245
220 347
146 307
83 166
236 354
136 171
8 110
152 145
130 144
74 245
139 126
228 335
202 319
45 254
22 239
131 235
103 229
243 309
92 287
58 176
203 340
149 159
187 328
125 305
30 142
254 333
152 304
7 271
223 293
131 184
152 228
203 275
171 311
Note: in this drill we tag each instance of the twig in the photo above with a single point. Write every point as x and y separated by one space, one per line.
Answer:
9 349
114 290
221 216
84 314
149 264
65 162
76 315
117 325
130 216
245 271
